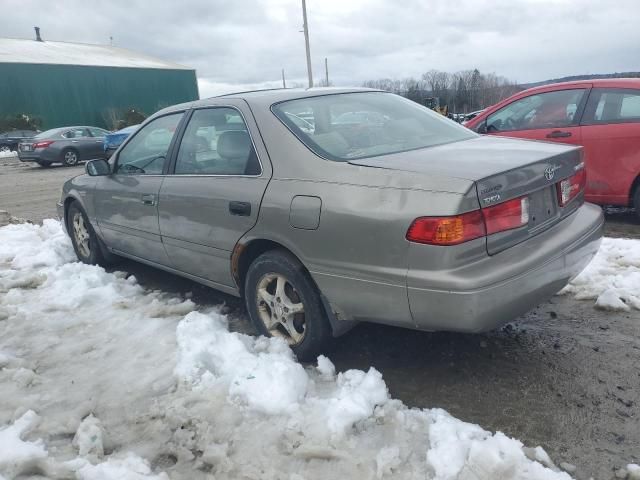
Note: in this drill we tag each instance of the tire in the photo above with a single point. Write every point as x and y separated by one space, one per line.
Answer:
88 247
70 157
307 332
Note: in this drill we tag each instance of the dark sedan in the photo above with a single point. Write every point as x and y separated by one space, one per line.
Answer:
67 145
9 140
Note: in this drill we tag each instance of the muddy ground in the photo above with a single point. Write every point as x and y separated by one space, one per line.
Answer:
565 376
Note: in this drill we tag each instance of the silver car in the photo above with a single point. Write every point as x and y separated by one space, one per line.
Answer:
414 221
67 145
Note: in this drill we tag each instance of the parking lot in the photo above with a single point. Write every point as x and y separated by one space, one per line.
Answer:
564 376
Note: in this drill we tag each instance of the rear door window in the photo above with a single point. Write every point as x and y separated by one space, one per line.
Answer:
612 106
76 133
542 110
217 142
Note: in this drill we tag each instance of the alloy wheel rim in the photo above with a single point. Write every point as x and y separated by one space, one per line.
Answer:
81 235
70 158
280 308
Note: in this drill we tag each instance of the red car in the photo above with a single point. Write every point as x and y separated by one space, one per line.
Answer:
601 115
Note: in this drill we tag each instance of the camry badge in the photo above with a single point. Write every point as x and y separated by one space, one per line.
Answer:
550 171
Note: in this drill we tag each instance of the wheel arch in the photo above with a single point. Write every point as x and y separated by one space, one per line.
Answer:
66 149
635 185
247 251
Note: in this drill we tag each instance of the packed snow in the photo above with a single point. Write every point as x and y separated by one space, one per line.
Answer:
612 278
8 154
103 379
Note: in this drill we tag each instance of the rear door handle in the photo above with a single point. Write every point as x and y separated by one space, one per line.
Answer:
242 209
558 134
149 199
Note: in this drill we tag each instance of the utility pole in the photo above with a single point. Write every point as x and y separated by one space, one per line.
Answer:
284 84
306 41
326 72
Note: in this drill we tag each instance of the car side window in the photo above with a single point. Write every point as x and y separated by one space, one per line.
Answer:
612 106
146 152
76 133
97 132
543 110
217 142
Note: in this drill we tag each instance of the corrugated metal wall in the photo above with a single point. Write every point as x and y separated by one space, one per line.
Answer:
78 95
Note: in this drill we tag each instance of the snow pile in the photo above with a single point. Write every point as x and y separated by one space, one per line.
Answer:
612 278
8 154
129 384
17 455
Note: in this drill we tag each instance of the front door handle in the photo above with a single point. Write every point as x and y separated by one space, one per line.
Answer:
149 199
240 208
558 134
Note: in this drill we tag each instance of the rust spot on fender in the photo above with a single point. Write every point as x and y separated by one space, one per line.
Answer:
235 261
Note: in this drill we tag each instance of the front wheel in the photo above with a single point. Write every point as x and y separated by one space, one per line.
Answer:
282 301
88 247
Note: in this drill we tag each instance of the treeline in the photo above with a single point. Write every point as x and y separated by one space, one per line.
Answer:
462 92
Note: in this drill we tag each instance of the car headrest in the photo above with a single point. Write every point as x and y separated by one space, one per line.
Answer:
234 144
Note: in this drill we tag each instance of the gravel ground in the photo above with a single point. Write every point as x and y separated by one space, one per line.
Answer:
564 376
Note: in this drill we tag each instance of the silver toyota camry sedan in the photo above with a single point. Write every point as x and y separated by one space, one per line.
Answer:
397 216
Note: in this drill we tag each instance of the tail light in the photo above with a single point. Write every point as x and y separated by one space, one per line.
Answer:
506 216
569 188
447 230
468 226
44 144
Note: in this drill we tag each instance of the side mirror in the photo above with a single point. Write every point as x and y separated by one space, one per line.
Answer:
482 128
98 168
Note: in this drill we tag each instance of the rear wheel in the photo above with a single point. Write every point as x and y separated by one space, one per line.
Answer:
88 247
282 301
636 201
70 157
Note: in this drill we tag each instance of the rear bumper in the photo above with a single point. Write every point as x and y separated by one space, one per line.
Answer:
38 156
496 290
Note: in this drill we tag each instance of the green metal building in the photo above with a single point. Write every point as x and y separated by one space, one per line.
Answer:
80 84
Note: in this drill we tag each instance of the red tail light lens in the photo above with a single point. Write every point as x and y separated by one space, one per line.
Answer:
468 226
506 216
569 188
44 144
447 230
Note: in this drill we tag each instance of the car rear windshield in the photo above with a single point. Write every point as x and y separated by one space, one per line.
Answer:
347 126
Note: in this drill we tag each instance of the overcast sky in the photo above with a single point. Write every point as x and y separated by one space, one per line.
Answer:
239 44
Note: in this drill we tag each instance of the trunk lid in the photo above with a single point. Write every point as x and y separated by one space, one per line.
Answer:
502 169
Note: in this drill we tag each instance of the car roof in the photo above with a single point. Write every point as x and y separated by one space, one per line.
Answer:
271 96
597 83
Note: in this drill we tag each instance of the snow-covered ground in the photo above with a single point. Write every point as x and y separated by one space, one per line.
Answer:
612 278
102 379
8 154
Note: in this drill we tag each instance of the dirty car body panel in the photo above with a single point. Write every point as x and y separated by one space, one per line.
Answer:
348 219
